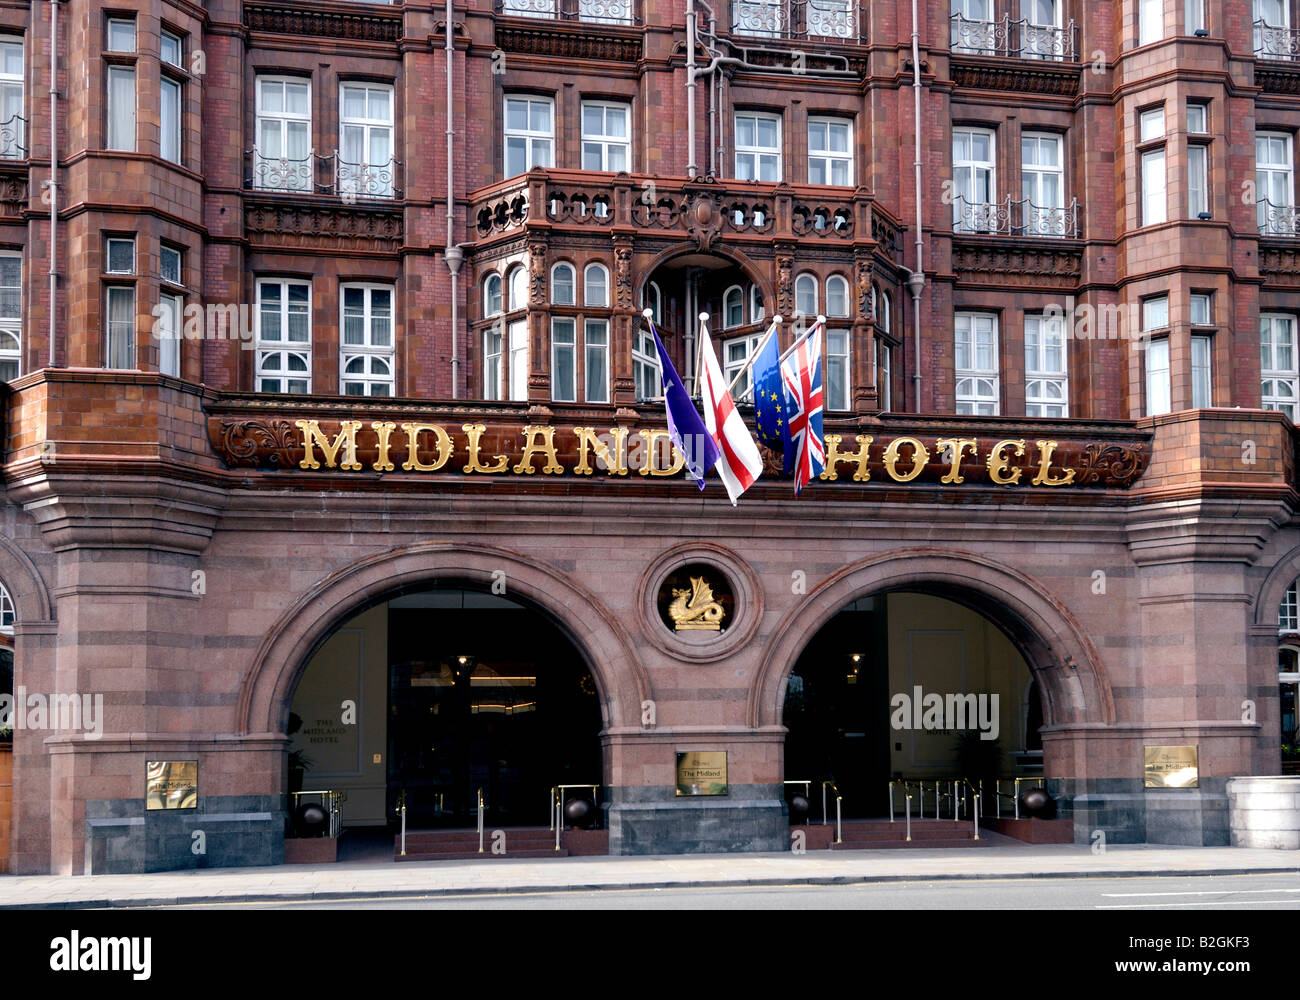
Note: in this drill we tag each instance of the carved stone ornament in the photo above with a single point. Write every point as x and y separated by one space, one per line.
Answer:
695 609
704 221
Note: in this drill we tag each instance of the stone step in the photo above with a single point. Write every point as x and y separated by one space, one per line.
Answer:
474 855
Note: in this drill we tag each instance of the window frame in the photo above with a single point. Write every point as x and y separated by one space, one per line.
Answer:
1039 215
1150 16
811 281
1152 404
975 168
971 403
587 286
128 351
14 149
564 265
731 366
776 153
301 180
368 349
605 142
839 280
1284 170
13 325
845 359
827 155
529 135
1037 373
645 361
121 71
1271 372
367 178
572 347
1202 384
283 346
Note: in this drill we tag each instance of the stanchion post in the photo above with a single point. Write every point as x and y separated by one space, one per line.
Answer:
977 815
907 796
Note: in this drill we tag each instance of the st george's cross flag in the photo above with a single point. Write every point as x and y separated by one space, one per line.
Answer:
802 374
739 463
693 440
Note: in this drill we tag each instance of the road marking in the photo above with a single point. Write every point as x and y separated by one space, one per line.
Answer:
1217 902
1203 892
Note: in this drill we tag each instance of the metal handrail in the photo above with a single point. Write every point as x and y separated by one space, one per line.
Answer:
333 802
365 180
839 801
283 173
825 20
480 821
1278 220
588 11
401 808
1273 41
999 794
11 136
557 806
1016 217
1013 38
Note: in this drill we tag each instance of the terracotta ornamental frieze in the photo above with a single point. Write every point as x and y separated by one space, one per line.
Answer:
478 447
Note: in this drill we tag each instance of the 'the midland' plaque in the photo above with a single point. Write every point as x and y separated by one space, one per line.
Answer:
171 784
702 772
1171 767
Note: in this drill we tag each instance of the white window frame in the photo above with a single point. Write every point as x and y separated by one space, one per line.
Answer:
109 241
119 22
805 284
1198 179
13 95
556 269
1047 386
493 347
839 354
1155 187
516 288
1150 21
1043 213
7 614
366 175
605 145
1275 177
647 371
170 138
121 91
884 376
493 295
282 347
652 296
1257 14
1198 109
973 29
517 367
757 311
593 349
116 332
978 388
735 352
601 301
370 351
164 37
1280 389
11 327
169 334
1155 365
838 281
757 157
969 177
538 144
827 157
1194 16
1192 317
1202 371
285 173
562 393
733 301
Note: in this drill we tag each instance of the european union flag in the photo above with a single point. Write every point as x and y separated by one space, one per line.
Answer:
769 402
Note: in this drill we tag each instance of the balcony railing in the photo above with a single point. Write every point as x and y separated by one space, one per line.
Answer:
799 19
588 11
348 180
1015 39
11 138
1016 218
1273 42
1278 220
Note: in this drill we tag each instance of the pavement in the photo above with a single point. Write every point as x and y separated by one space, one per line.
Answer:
372 880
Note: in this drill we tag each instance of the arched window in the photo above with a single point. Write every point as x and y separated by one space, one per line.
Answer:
518 285
562 280
1288 621
6 611
492 295
837 296
595 285
757 311
885 312
805 295
654 298
733 307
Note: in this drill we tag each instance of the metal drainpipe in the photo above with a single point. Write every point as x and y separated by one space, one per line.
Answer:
452 253
691 169
916 279
54 168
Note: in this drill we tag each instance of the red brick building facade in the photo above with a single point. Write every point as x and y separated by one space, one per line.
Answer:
424 215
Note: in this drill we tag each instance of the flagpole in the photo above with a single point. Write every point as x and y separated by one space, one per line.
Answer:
821 321
776 321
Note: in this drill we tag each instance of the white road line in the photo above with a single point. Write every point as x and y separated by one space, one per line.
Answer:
1222 902
1203 892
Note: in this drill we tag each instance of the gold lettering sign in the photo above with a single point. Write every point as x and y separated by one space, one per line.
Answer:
171 784
1171 767
702 772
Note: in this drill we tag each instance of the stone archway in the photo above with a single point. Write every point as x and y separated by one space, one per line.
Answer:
1269 598
286 649
1066 664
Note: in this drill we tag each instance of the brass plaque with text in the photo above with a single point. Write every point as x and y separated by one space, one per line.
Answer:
171 784
1171 767
702 772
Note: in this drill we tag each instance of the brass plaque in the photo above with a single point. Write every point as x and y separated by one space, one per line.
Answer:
702 772
171 784
1171 767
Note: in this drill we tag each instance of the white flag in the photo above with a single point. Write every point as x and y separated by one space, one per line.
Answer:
739 462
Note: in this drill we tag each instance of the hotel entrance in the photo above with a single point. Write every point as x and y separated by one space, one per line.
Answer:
437 699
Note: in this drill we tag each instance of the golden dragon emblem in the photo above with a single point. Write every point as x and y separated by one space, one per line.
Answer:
696 608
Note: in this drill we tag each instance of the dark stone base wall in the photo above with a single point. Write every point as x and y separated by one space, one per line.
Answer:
1129 813
658 821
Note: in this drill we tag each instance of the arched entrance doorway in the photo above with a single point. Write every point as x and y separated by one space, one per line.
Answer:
436 694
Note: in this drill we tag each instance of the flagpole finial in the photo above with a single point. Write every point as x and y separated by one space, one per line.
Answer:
704 317
777 318
648 313
821 318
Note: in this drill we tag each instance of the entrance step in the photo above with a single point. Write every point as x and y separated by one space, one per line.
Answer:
866 835
520 842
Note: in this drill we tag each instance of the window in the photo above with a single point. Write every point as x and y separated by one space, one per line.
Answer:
1153 187
11 100
1200 310
562 285
1202 350
646 372
758 147
1288 613
595 338
121 108
1275 183
11 316
169 120
1197 117
1151 21
884 380
7 615
605 142
1272 29
1042 36
283 159
975 180
1195 17
837 370
1157 369
1198 182
830 151
652 296
529 8
283 336
173 311
1042 179
595 285
604 11
120 331
1047 387
365 164
1155 314
837 296
733 307
758 17
529 135
757 311
805 295
564 360
492 295
1277 362
973 30
492 362
121 35
171 49
735 353
976 356
517 289
1151 125
518 371
119 255
366 354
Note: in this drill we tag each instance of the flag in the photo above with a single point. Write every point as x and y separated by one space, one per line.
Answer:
802 374
769 402
740 463
685 427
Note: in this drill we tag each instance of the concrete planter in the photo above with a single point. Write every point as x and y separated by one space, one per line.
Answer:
1265 811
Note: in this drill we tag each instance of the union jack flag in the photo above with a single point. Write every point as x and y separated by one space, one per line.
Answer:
802 374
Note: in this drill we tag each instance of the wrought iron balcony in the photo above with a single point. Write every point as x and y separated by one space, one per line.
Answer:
1278 220
12 133
365 180
283 173
1016 218
1013 39
588 11
799 19
350 181
1273 42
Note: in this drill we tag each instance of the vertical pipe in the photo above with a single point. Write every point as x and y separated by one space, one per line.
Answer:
891 802
54 174
691 169
452 253
715 101
916 280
